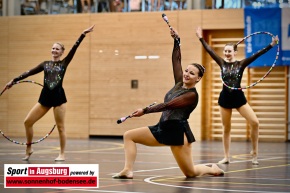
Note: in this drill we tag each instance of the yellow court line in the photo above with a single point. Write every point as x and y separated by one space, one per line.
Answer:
227 172
117 146
257 168
165 179
223 182
56 148
242 156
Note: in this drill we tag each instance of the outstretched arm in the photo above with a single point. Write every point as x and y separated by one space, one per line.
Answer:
176 57
247 61
209 50
73 50
184 100
24 75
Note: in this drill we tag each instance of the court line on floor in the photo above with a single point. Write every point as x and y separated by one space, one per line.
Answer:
148 180
93 190
203 164
260 168
274 179
56 148
221 182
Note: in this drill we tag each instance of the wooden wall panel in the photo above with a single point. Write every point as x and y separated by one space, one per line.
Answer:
98 80
268 101
111 72
151 37
223 19
4 34
30 40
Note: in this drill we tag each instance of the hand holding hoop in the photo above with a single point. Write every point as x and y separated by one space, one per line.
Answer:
275 41
5 88
9 85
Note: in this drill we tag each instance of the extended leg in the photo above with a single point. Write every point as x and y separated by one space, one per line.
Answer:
247 112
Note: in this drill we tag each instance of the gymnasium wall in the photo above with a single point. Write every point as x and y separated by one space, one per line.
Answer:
98 80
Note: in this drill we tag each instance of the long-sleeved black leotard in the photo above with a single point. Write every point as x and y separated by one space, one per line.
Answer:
52 93
232 73
176 109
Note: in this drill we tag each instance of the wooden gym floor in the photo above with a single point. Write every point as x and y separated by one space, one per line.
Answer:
155 169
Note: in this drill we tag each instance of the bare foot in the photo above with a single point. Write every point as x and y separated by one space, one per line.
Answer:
123 175
29 152
224 161
60 158
217 171
254 158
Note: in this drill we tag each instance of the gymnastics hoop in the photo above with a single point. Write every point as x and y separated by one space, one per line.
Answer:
21 143
267 73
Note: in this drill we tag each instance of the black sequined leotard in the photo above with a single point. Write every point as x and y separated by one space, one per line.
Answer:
176 109
52 93
232 73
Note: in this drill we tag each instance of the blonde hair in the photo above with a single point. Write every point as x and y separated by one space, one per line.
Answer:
61 45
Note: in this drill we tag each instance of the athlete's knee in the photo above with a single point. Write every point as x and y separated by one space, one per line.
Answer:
255 124
227 129
61 129
190 174
127 135
28 123
226 126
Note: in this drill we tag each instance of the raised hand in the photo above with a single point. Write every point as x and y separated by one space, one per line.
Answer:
275 40
90 29
173 33
198 32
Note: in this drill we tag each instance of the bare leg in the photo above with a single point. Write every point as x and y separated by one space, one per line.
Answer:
226 115
183 156
89 5
83 5
59 116
34 115
152 5
140 135
247 112
158 5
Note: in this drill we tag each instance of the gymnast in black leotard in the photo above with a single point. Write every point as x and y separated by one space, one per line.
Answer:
52 94
232 73
173 129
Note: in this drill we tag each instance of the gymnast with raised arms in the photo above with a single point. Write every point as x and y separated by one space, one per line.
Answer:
173 129
52 93
232 73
